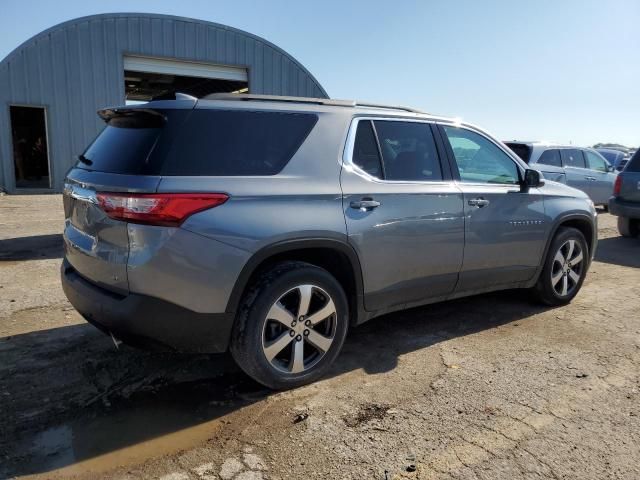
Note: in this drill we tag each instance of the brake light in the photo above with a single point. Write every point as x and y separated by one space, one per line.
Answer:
166 209
617 186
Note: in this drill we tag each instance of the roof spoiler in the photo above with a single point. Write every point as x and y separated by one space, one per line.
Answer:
125 117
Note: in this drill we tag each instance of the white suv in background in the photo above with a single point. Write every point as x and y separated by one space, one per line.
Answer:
582 168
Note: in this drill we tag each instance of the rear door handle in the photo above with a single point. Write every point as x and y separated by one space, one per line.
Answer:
365 204
478 202
592 179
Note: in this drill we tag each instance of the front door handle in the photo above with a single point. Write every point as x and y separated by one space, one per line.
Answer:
591 179
478 202
365 204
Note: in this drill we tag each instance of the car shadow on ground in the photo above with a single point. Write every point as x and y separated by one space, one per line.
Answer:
70 396
35 247
619 251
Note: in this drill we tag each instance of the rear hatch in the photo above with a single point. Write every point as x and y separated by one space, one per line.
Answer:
121 159
630 186
521 149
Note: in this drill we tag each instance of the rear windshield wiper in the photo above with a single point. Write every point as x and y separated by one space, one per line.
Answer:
84 159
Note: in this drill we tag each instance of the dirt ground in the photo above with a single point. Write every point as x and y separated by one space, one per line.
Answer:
489 387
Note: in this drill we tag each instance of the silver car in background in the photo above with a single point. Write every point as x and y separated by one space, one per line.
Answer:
578 167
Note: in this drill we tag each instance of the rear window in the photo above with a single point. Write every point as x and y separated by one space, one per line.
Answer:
235 143
634 163
198 142
521 149
125 144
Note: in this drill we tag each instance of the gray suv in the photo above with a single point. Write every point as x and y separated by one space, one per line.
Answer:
579 167
270 225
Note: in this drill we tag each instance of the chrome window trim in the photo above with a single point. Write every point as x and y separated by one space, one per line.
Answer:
347 155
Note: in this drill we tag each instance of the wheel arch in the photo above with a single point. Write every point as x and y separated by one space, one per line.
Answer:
580 221
335 256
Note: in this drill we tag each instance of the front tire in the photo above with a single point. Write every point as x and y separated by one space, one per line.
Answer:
291 325
564 269
628 227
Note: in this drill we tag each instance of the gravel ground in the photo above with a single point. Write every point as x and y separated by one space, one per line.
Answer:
488 387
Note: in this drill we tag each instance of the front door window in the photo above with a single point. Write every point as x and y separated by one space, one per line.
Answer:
479 160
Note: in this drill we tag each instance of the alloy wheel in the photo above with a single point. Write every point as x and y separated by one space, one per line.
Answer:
567 267
299 329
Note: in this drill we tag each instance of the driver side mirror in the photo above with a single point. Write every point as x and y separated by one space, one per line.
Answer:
610 168
532 179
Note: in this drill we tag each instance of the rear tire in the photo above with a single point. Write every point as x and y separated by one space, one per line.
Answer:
628 227
291 325
565 268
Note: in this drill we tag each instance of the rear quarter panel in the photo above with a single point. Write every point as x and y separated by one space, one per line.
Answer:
303 201
198 264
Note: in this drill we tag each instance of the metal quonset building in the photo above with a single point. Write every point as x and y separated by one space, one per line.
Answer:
52 85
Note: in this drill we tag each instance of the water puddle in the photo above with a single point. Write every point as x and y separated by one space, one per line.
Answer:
148 424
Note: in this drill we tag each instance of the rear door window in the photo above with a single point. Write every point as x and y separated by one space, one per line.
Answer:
550 157
408 151
365 150
572 157
237 142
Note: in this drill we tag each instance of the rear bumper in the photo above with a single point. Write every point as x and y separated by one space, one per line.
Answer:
146 321
624 209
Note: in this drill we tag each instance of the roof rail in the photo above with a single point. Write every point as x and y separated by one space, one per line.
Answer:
308 100
390 107
278 98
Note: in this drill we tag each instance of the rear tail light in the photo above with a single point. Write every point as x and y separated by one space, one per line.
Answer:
166 209
617 186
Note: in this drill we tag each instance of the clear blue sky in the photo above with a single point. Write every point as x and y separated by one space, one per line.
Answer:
559 70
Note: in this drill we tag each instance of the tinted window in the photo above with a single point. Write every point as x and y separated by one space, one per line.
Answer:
595 161
572 157
520 149
365 150
408 151
122 150
233 143
480 160
634 163
550 157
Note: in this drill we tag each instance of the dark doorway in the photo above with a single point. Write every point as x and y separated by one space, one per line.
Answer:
144 86
30 150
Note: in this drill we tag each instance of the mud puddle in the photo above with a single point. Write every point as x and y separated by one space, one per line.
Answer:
161 420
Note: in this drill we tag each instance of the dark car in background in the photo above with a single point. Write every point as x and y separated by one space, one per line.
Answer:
616 158
625 202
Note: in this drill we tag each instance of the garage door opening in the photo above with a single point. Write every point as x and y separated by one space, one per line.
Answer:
153 78
30 150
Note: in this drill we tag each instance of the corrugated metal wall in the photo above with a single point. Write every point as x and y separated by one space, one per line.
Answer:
76 68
